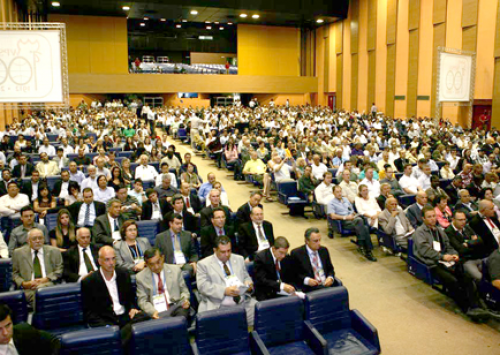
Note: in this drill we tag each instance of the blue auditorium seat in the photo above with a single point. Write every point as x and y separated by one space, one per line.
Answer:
279 324
418 268
191 285
148 184
156 165
148 229
94 341
52 138
51 181
72 156
490 293
58 309
160 336
50 221
17 303
289 195
346 331
126 154
387 241
222 331
250 269
5 274
407 200
182 134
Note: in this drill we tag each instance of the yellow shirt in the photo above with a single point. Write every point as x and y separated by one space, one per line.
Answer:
255 167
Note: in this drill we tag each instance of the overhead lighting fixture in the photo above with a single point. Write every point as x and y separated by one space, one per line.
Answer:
56 3
184 20
209 27
163 19
178 26
221 28
217 22
126 8
255 16
243 15
206 38
229 23
207 22
320 20
143 24
194 12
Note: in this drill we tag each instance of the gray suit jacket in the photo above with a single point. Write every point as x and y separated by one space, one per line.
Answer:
164 243
388 223
22 264
422 245
124 258
211 280
175 286
414 214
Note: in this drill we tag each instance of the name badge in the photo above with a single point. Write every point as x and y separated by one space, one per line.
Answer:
264 245
232 280
179 257
436 246
160 303
116 235
156 215
138 260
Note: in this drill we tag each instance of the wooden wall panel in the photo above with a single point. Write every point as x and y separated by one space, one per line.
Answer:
338 37
338 93
414 14
439 11
411 103
392 20
439 41
469 38
497 34
354 81
495 119
390 79
469 12
354 26
372 77
372 25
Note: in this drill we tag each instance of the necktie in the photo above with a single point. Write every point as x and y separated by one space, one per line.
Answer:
86 260
37 269
161 290
177 244
316 266
220 231
187 203
86 220
116 225
228 273
22 171
278 269
490 223
260 235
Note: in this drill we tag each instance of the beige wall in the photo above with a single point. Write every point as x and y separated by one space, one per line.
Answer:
210 58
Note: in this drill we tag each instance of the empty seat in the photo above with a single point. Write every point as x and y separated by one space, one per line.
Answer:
50 221
160 336
5 274
148 229
95 341
346 331
17 303
126 154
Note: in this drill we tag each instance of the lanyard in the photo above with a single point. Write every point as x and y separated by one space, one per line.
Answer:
137 252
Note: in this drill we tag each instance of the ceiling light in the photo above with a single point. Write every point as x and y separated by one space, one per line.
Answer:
209 27
146 18
243 15
255 16
221 28
142 24
163 19
229 23
216 22
126 8
184 20
207 22
56 3
178 26
320 20
194 12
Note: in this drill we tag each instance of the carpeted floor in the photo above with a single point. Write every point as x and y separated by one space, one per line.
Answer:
411 318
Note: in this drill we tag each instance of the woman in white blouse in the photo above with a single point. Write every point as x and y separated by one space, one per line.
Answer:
446 172
103 193
367 206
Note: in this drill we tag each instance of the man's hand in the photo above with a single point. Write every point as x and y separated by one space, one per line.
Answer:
247 260
250 285
329 282
133 312
394 213
288 288
27 285
466 245
186 304
474 237
448 257
140 266
232 291
313 282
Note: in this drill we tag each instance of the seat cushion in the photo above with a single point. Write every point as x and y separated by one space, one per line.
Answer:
60 331
348 342
296 348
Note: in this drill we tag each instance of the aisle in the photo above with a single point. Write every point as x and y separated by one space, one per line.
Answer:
411 317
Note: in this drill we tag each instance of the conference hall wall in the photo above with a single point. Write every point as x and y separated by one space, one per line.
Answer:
386 50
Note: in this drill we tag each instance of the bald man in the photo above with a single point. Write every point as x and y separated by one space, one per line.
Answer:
394 222
414 212
487 226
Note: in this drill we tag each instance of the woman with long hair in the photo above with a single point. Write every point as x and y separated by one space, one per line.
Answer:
127 173
116 178
63 236
367 206
44 202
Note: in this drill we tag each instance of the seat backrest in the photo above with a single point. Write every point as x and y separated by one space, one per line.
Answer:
51 221
328 309
17 303
58 307
5 274
168 334
279 320
95 341
222 331
288 188
410 248
148 229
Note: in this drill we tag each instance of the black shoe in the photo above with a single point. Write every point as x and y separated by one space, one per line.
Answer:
478 314
493 314
370 256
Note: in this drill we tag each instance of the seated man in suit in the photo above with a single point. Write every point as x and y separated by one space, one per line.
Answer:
154 207
394 222
269 265
19 235
165 190
131 208
206 213
454 188
108 297
80 260
36 265
217 228
469 246
414 211
243 213
311 263
6 178
191 200
82 160
435 190
339 208
47 167
177 245
61 187
493 264
106 229
465 204
30 188
85 213
189 222
60 160
223 281
23 168
487 226
256 235
161 290
22 339
432 247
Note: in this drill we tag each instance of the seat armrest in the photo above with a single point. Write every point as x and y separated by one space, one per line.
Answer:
315 340
337 281
257 345
361 325
194 348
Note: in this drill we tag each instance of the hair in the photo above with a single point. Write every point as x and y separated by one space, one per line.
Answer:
360 187
125 225
173 216
12 182
44 186
150 191
58 228
87 189
151 253
27 208
458 211
281 243
310 231
254 193
5 312
175 198
111 201
426 209
439 198
216 210
222 240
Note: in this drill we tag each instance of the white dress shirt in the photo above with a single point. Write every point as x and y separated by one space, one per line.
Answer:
42 262
64 189
424 181
78 177
263 244
173 180
83 210
373 187
324 193
319 171
113 292
89 182
9 348
410 183
104 195
50 150
82 270
9 204
146 173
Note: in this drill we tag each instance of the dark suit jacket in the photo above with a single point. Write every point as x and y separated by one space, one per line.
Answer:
27 339
461 207
27 188
452 193
194 202
414 214
16 172
243 214
474 250
479 226
400 163
74 209
247 238
190 222
208 237
57 188
72 262
267 281
147 209
206 215
302 266
164 243
3 188
101 231
96 300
